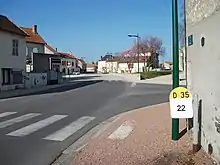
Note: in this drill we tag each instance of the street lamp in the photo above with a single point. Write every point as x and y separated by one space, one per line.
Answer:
138 38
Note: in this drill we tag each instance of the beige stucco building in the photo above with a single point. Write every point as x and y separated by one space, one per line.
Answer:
13 57
203 64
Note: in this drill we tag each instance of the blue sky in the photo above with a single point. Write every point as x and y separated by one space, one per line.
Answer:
91 28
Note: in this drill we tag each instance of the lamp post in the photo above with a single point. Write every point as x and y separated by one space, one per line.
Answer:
138 38
175 122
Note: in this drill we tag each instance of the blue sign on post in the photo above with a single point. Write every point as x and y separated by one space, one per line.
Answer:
190 40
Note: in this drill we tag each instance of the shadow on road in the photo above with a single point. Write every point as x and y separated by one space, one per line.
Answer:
64 88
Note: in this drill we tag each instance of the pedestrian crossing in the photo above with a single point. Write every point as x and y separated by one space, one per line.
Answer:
70 129
59 135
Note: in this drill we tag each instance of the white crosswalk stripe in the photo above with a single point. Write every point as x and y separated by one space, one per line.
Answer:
70 129
6 114
18 119
36 126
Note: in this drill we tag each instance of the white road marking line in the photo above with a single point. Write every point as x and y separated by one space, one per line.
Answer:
122 132
133 84
18 119
70 129
7 114
36 126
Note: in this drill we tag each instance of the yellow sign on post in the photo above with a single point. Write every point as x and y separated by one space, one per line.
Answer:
181 103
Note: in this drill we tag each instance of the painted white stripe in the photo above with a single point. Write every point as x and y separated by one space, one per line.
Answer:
122 132
7 114
70 129
36 126
133 84
18 119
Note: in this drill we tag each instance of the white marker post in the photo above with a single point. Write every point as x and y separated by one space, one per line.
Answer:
181 103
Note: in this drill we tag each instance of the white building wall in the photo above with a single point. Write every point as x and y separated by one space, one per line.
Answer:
70 69
48 51
101 66
123 67
112 67
33 48
203 64
7 60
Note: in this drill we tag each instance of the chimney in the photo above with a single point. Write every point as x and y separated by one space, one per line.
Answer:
34 29
56 49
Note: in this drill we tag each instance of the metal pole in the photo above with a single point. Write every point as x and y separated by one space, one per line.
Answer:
175 122
185 41
138 51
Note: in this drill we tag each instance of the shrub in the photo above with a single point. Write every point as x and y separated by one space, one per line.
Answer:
152 74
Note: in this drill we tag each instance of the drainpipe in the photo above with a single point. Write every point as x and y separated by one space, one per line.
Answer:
196 145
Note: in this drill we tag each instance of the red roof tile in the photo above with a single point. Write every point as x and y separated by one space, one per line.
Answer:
33 37
66 55
8 26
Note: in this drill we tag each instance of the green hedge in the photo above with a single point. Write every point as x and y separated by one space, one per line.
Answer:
152 74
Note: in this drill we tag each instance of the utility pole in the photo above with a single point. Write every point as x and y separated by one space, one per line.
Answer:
138 42
138 52
175 122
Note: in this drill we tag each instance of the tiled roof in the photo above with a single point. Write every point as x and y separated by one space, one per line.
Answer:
8 26
51 48
91 65
66 55
33 37
128 59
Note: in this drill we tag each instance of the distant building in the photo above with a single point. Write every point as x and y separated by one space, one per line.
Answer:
91 68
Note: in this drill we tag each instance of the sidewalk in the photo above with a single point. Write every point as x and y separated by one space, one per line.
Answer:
23 92
140 137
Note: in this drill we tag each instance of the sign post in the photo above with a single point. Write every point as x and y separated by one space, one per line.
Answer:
181 103
175 46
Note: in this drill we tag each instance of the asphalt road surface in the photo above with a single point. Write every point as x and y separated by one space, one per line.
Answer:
35 129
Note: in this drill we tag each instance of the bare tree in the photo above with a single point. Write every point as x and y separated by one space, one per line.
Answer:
151 48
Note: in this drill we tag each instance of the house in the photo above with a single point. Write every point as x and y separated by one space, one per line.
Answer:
13 57
122 65
81 65
102 67
167 65
91 68
34 44
68 63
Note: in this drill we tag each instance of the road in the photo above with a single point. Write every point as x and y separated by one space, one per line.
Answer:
35 129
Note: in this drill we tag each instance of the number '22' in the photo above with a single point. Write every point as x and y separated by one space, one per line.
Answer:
181 108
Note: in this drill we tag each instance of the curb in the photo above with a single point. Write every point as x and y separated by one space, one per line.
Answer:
70 152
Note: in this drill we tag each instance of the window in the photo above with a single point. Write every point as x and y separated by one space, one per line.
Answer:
15 47
64 63
72 63
6 76
35 50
